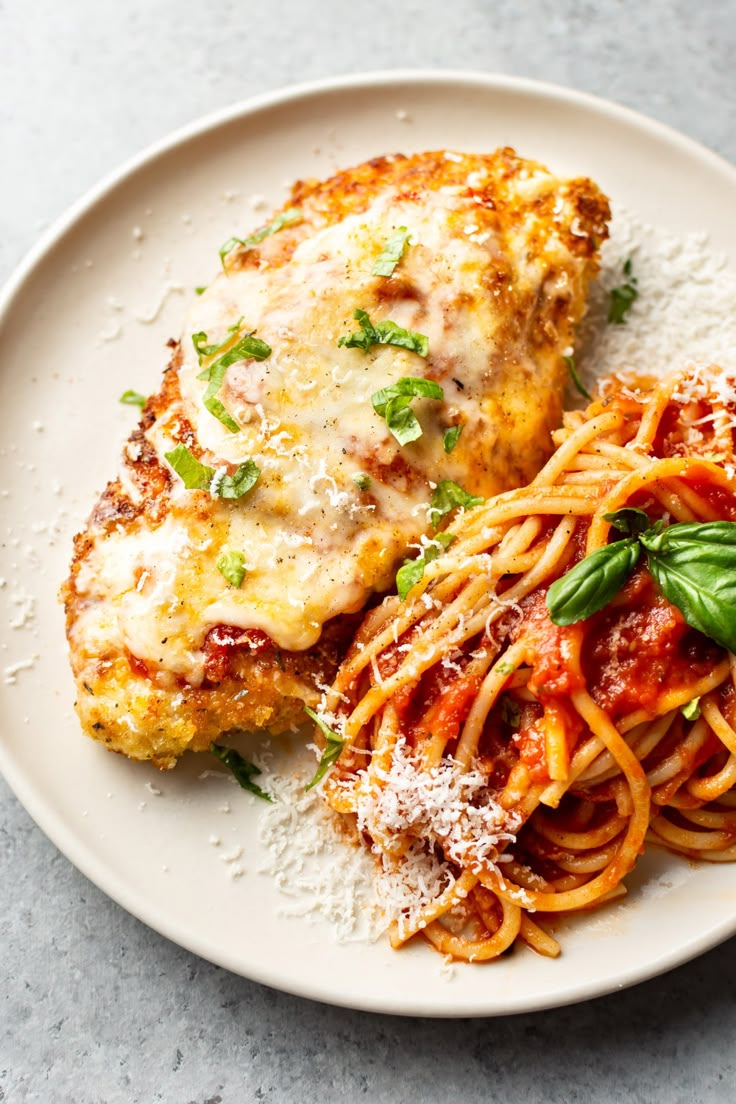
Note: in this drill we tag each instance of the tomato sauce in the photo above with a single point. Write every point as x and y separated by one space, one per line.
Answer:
220 644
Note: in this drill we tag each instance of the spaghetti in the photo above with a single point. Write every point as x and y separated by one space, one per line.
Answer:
505 769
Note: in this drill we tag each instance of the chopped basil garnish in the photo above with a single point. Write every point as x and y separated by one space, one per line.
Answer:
622 298
333 746
200 477
231 565
239 483
241 769
392 403
694 564
133 398
691 710
362 481
383 333
510 712
286 218
200 290
391 253
247 348
448 496
576 378
194 475
411 571
451 437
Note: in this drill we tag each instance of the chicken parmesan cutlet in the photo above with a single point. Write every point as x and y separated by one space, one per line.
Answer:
389 347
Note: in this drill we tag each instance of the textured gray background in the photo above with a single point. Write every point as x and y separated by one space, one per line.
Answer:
94 1007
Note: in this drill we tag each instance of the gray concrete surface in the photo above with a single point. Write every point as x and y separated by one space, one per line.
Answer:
94 1007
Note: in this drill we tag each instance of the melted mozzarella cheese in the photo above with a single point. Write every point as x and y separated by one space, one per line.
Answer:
314 544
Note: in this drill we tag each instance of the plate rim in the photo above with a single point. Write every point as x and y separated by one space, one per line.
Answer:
48 821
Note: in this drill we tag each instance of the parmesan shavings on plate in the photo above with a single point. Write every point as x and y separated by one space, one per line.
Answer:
316 861
685 309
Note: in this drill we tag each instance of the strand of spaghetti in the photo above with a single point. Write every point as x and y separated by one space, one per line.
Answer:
652 477
625 857
489 690
578 841
415 664
537 938
685 840
675 699
652 414
454 893
641 742
494 681
477 950
714 786
711 818
718 723
561 458
675 762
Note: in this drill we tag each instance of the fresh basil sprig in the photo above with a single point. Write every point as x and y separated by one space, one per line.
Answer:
447 496
693 563
411 571
391 253
385 332
286 218
392 403
333 746
241 769
197 476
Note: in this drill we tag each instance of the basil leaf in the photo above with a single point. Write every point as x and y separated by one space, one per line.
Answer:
200 290
239 483
408 386
194 475
691 710
448 496
629 520
202 350
362 481
622 298
248 348
392 403
241 769
411 571
391 253
286 218
385 332
133 398
231 565
694 565
593 582
451 437
200 477
510 712
331 753
576 378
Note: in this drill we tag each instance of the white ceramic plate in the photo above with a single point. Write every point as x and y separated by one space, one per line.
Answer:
88 316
